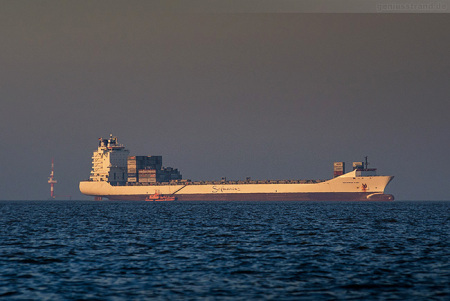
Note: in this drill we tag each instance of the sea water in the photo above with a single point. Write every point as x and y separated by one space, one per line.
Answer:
105 250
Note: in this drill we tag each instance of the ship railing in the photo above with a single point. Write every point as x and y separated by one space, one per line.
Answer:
237 182
184 182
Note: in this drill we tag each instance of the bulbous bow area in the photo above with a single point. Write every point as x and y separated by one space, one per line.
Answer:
380 197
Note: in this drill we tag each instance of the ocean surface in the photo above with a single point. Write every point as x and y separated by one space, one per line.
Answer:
72 250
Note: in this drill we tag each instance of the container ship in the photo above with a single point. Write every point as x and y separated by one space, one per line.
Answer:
116 175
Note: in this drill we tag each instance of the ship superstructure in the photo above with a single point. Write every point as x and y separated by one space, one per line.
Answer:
117 176
109 162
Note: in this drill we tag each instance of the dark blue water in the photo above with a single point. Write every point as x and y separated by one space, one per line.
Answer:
224 250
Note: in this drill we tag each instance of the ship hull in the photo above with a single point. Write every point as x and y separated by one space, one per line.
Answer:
348 187
330 196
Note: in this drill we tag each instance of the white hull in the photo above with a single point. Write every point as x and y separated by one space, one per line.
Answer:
349 186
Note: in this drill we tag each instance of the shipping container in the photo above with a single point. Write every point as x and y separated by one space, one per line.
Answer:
358 165
339 169
147 171
146 174
147 180
337 173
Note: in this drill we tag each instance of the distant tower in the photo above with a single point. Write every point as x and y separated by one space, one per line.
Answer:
52 182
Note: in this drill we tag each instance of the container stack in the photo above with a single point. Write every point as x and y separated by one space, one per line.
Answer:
339 169
149 169
132 169
142 162
168 174
358 165
150 162
147 176
174 174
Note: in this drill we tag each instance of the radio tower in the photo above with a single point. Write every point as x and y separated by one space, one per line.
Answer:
52 182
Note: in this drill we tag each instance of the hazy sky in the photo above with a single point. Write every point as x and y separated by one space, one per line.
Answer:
236 95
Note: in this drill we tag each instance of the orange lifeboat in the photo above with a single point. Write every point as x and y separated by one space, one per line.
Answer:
157 197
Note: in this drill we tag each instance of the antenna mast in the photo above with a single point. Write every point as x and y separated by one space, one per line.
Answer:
52 182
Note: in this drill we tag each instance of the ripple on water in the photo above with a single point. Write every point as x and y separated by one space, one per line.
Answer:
228 250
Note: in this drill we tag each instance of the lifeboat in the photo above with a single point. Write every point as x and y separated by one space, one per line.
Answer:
157 197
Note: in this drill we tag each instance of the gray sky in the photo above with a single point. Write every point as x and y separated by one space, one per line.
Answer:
261 95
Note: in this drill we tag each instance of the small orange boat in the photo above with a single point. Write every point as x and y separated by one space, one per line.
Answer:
157 197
